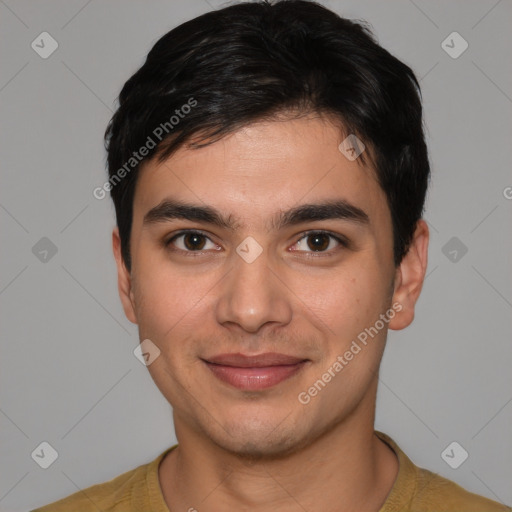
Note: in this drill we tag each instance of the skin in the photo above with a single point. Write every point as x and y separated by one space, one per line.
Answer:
264 450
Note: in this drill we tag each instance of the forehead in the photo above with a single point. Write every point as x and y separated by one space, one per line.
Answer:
262 169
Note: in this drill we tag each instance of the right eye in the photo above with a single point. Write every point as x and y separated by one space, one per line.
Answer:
189 242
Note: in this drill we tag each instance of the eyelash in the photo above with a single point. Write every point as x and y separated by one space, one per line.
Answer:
310 254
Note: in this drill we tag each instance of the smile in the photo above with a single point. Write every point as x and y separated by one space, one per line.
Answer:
254 373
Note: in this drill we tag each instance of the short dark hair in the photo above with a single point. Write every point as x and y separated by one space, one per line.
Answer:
250 61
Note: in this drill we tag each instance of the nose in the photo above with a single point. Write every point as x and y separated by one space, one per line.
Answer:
252 295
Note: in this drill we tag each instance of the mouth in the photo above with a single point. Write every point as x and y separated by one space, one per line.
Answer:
254 373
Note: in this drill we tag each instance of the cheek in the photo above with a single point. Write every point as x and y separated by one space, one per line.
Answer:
162 298
347 298
174 307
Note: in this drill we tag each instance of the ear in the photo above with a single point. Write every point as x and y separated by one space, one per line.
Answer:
409 277
124 280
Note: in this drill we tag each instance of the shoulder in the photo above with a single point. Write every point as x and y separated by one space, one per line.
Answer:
434 492
419 490
111 495
123 493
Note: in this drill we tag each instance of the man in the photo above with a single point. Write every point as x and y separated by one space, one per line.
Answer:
269 170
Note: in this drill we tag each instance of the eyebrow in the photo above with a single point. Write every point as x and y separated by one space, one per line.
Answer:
170 209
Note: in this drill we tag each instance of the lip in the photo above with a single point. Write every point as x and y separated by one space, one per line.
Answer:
254 373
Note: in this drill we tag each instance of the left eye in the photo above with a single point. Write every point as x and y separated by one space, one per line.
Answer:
318 241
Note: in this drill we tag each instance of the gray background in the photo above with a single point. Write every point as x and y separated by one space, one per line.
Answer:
69 376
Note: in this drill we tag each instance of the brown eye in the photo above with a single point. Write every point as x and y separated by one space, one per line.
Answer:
319 241
193 241
190 241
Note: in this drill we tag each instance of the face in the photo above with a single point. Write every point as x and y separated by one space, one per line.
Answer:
259 274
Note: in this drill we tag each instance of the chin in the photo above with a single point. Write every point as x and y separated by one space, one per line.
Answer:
259 448
259 439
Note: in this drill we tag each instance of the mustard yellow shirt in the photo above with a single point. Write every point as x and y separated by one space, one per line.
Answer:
415 490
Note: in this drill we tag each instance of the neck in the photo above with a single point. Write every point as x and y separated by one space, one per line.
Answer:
345 469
